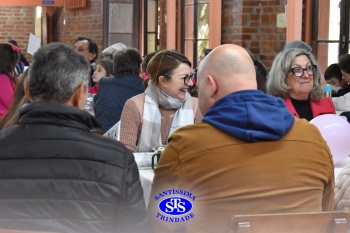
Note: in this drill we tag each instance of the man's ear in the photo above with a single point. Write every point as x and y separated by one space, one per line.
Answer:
79 96
26 90
213 86
92 57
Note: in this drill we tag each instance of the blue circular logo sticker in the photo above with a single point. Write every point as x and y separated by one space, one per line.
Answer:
175 206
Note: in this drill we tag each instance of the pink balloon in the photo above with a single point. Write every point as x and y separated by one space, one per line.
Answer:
336 132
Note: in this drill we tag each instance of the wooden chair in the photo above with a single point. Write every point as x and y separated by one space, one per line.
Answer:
98 131
22 231
316 222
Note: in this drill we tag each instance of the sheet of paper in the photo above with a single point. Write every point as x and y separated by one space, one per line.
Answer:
34 43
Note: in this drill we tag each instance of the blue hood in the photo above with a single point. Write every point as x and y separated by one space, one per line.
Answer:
251 116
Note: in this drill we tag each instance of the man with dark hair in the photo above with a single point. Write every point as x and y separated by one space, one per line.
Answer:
56 175
333 77
114 91
89 49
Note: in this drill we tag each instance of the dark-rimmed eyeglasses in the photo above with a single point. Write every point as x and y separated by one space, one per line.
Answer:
298 71
189 77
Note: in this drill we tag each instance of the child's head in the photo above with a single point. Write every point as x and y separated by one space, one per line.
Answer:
104 68
333 75
9 56
344 65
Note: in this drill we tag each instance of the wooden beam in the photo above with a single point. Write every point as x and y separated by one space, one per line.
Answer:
171 25
215 14
294 20
31 2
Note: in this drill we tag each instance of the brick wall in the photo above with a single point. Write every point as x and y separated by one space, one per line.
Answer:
253 25
15 24
79 22
250 23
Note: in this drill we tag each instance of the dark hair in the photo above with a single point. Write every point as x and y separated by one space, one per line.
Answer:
344 63
207 51
56 72
9 57
164 63
261 72
21 56
107 64
333 71
12 115
13 42
127 61
146 60
93 48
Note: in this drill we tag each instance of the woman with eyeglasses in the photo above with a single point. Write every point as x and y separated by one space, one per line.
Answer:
150 118
295 77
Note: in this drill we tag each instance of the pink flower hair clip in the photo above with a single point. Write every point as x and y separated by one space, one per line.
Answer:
15 48
145 75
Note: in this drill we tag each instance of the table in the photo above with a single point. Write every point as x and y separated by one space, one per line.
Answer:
146 178
144 163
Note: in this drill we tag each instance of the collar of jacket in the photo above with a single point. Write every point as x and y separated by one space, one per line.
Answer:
57 114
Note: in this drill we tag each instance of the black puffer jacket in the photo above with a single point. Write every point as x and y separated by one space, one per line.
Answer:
57 176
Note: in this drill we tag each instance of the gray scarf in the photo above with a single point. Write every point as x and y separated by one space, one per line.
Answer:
150 135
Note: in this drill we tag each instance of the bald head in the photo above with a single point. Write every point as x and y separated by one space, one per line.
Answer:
227 69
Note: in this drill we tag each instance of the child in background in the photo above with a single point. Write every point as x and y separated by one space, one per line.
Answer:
333 77
12 115
9 56
104 68
342 103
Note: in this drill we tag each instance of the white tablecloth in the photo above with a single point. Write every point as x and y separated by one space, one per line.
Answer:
146 178
144 163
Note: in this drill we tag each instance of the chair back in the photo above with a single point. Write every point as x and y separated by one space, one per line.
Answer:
98 131
315 222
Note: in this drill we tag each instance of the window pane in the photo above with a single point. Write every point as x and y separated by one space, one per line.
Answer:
120 18
202 46
203 29
203 21
334 20
151 16
151 40
332 52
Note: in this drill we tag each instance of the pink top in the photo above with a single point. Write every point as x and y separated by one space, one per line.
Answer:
93 89
7 90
